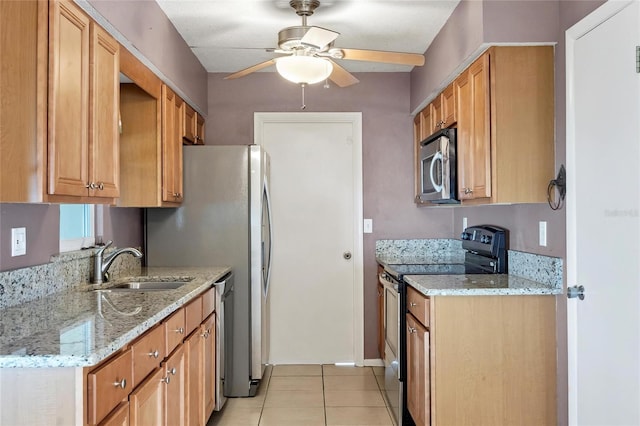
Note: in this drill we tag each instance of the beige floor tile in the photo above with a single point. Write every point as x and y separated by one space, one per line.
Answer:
353 398
299 383
297 370
378 371
256 401
272 416
294 399
236 416
350 383
358 416
380 380
342 370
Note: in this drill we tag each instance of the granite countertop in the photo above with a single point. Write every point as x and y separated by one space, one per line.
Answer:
478 285
79 327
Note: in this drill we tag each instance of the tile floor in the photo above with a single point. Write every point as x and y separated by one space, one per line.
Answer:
310 395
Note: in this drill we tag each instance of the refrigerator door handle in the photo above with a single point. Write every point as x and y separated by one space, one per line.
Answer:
267 200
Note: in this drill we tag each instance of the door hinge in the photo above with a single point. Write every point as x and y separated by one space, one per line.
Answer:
638 59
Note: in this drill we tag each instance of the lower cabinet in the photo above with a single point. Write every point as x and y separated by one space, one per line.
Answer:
209 333
175 396
146 403
418 400
120 417
485 360
194 351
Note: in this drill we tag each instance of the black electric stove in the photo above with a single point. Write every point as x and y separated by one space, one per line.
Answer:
485 253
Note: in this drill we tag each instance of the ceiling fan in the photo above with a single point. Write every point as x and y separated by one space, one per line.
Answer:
308 53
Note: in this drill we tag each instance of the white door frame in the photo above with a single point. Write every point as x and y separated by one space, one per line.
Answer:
355 118
591 21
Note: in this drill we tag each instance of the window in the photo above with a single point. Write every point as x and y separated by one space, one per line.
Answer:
76 226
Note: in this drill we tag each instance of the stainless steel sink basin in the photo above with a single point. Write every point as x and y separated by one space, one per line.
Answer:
145 286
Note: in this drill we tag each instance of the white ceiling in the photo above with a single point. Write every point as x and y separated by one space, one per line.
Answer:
230 35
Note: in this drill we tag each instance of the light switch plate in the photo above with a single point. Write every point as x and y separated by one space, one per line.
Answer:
464 223
368 226
18 241
542 230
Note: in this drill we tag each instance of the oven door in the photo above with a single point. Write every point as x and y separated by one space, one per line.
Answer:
392 347
438 168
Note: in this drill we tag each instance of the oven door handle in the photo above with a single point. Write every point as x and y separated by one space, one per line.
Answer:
436 157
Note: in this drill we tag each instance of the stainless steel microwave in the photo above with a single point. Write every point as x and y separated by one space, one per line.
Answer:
438 168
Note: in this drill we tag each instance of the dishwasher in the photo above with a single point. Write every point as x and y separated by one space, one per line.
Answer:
224 335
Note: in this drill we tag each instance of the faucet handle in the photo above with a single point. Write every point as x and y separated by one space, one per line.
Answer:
103 248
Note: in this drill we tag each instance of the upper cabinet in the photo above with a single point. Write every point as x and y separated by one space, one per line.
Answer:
172 131
83 103
193 131
503 108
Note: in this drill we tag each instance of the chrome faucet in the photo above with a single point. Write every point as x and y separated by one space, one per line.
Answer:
101 263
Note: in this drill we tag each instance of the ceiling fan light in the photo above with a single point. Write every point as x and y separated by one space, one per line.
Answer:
304 69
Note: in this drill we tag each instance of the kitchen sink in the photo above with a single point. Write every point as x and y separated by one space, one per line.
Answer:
145 286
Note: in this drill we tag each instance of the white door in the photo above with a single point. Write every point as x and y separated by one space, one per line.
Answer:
603 227
316 311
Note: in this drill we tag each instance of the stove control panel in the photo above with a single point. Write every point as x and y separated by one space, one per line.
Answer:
484 239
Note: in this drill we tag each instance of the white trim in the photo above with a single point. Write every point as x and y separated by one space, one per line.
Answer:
374 362
355 118
588 23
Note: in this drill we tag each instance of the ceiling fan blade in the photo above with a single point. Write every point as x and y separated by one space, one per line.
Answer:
342 77
318 37
382 56
251 69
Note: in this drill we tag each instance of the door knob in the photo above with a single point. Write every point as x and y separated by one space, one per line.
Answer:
346 255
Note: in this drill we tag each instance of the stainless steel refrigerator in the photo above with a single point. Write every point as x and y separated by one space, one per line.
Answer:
224 220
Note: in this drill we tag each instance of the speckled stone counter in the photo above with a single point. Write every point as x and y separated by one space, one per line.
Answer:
478 285
79 327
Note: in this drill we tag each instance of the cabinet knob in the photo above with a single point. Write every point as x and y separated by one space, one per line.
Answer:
120 384
154 354
413 304
172 371
101 186
166 379
180 330
90 185
412 330
468 191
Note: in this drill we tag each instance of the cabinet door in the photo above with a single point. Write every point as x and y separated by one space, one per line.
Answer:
426 122
436 112
108 385
194 355
199 129
381 320
146 403
172 107
120 417
148 351
175 392
190 125
418 385
448 105
209 372
474 144
104 154
68 141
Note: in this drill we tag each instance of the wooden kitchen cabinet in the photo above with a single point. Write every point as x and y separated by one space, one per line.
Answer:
83 157
120 417
146 403
194 355
172 115
147 352
418 389
150 168
175 388
108 385
209 361
189 131
487 360
380 319
199 130
505 104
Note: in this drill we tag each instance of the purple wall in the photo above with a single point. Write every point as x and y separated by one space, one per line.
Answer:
146 26
387 135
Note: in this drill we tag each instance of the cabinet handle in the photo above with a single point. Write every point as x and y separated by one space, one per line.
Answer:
154 354
166 379
101 186
468 191
413 304
412 330
90 185
172 371
206 333
121 384
180 330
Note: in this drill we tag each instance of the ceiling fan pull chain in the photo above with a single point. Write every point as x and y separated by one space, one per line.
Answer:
302 85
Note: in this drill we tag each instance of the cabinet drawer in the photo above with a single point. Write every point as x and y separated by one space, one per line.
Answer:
208 302
148 352
418 305
193 315
108 385
174 330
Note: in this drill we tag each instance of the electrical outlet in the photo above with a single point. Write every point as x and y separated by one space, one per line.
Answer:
542 230
368 226
18 241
